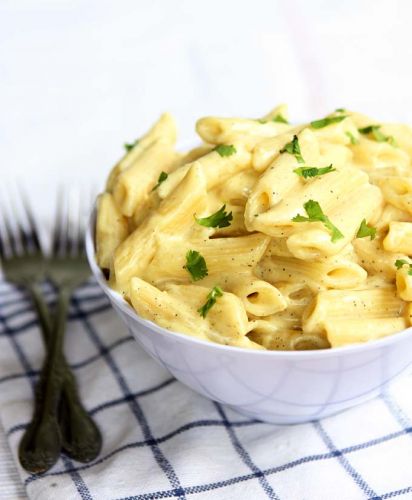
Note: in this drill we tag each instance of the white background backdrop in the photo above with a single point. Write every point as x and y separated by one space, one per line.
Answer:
79 78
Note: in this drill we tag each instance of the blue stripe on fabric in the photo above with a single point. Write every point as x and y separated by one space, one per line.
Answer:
23 299
73 366
140 444
192 425
81 487
6 289
77 480
28 370
244 455
109 404
28 308
358 479
136 409
397 412
393 494
133 395
71 317
208 423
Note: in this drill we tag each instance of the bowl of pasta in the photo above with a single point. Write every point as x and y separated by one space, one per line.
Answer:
267 268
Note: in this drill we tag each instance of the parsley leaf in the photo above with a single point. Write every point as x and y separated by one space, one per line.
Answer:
378 135
324 122
399 263
225 150
279 119
306 172
128 146
315 213
218 219
196 265
340 110
211 301
353 139
162 177
293 148
365 230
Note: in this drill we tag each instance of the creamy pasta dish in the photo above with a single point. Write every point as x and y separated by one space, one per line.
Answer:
267 235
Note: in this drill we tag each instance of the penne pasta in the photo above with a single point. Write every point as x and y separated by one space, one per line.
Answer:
404 283
174 214
216 169
332 272
266 235
333 307
111 229
230 130
132 186
222 255
399 237
164 129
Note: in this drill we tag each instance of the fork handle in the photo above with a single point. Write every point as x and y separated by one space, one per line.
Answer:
42 312
40 446
80 436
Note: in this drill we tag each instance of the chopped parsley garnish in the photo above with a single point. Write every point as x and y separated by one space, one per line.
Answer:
211 301
340 110
365 231
315 214
225 149
293 148
353 140
162 177
279 119
307 172
399 263
324 122
377 134
128 146
218 219
196 265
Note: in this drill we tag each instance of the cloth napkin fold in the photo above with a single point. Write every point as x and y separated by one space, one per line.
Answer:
162 440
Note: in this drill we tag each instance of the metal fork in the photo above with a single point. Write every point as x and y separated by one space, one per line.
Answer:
67 268
24 264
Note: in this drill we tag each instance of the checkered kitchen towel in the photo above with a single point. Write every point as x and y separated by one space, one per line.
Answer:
161 440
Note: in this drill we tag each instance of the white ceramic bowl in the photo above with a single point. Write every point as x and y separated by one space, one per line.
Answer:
274 386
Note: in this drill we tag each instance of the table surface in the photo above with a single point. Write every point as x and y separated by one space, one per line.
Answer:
78 79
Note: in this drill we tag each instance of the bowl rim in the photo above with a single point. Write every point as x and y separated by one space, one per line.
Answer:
182 337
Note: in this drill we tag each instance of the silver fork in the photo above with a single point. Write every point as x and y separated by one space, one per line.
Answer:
75 430
24 264
67 268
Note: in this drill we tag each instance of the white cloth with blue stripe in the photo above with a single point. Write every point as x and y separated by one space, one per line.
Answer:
161 440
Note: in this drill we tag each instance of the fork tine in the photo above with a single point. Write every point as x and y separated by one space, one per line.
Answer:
34 234
71 234
83 208
71 245
2 246
88 204
19 233
67 226
58 228
78 225
11 238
